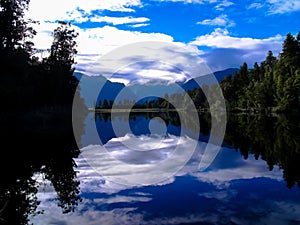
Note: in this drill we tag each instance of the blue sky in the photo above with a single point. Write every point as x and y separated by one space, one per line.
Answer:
225 33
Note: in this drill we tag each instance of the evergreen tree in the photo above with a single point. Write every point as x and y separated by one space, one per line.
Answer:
228 90
289 52
60 63
16 50
256 72
269 62
298 50
14 32
240 83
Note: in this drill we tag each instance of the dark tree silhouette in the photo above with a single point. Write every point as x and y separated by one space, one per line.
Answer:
36 96
59 64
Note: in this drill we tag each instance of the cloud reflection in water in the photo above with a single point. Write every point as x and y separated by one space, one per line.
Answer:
230 191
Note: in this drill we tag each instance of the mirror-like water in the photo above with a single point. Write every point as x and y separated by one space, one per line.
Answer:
254 179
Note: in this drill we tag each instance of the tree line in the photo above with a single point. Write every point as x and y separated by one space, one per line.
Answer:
145 103
274 85
271 86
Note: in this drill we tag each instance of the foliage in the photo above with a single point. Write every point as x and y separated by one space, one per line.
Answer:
27 82
15 33
59 65
36 94
272 86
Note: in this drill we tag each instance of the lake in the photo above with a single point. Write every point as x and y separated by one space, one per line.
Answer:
151 175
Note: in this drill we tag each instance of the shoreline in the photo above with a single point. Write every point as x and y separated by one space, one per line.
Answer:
132 110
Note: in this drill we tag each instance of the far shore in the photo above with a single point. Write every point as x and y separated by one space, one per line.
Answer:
132 110
268 111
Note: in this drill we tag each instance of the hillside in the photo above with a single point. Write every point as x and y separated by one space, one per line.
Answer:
90 86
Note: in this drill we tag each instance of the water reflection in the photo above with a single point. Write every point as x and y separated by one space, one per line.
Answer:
235 189
235 192
35 151
274 139
48 180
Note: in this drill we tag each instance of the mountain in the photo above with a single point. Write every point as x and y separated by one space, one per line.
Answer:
91 85
78 75
206 79
223 73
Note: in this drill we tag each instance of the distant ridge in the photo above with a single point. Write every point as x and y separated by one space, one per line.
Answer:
206 79
223 73
109 90
90 88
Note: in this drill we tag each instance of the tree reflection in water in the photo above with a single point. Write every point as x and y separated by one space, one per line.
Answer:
273 138
47 146
33 145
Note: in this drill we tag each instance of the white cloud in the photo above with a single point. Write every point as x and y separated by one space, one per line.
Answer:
86 213
119 20
140 25
220 38
225 3
221 20
221 3
100 41
84 61
156 160
123 199
165 75
229 51
116 5
255 5
222 195
283 6
76 16
149 74
249 169
104 39
184 1
44 10
277 6
78 10
96 41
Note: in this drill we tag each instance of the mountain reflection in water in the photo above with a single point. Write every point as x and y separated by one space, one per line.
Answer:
253 179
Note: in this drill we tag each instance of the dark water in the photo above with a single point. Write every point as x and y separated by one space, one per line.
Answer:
254 179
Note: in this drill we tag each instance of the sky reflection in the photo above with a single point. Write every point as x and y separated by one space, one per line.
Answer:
231 191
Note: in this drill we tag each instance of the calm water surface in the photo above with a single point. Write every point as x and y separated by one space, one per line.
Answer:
254 178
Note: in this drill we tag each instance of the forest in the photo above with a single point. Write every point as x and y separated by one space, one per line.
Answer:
274 85
29 82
